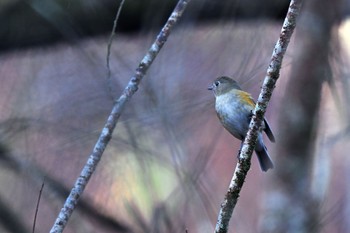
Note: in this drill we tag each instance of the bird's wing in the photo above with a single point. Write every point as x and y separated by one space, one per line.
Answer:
249 99
268 131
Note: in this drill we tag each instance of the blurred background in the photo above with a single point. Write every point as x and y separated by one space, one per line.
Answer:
169 163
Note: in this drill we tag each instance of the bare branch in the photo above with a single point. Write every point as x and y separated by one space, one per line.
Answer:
272 75
110 41
112 120
37 206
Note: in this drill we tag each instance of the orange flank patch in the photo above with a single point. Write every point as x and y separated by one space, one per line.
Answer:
247 98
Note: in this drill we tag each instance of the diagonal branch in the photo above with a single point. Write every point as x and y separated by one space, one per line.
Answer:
112 120
272 75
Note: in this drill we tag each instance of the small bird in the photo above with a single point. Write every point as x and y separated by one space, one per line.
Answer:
234 108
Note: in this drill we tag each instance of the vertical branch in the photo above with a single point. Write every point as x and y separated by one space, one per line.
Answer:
112 120
272 75
110 41
37 206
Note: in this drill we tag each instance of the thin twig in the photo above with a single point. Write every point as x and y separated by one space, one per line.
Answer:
112 120
272 75
37 205
110 41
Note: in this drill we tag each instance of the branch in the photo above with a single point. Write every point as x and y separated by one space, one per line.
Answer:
272 75
37 206
110 41
112 120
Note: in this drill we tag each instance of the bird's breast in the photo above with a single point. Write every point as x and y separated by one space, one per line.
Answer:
233 115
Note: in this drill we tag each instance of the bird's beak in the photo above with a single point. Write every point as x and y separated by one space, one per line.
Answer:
210 87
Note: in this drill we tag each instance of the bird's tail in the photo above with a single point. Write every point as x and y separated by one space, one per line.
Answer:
263 156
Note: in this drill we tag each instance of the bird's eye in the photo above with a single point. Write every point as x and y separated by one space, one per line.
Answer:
216 83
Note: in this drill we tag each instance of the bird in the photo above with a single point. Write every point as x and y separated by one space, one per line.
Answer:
234 108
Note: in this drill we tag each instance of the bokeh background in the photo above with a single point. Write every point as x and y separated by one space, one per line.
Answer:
169 163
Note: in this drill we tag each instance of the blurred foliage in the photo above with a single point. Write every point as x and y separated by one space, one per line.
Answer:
33 22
